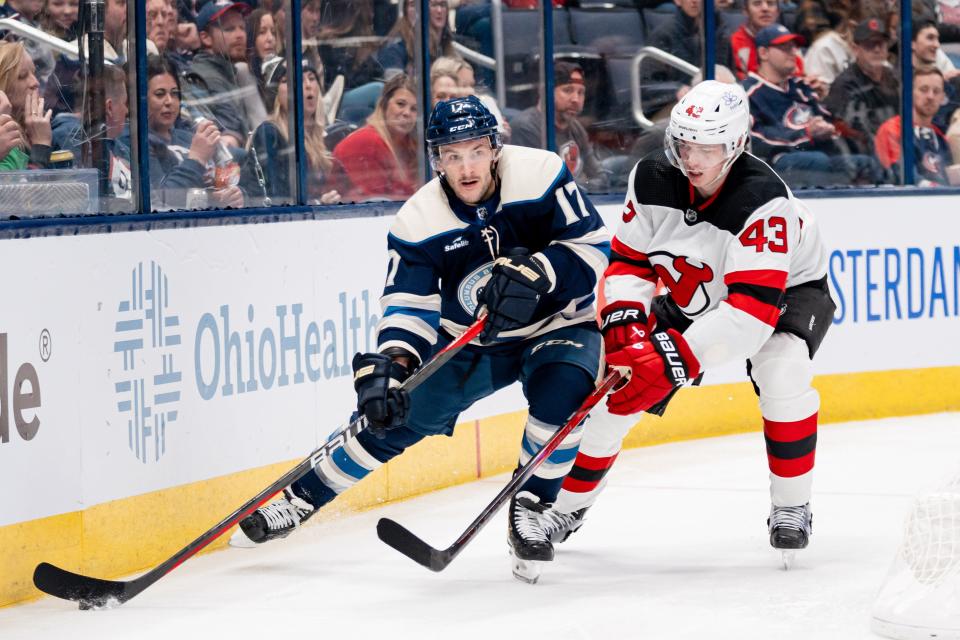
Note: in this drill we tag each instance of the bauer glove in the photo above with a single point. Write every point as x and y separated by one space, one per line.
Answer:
512 294
377 378
658 365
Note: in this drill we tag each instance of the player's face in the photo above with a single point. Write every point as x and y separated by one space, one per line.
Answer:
927 94
702 162
762 13
467 166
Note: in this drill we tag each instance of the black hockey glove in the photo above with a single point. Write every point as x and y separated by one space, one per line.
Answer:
376 378
511 295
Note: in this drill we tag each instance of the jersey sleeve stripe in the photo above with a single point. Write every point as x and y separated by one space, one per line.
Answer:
625 250
411 300
763 277
766 313
766 295
624 268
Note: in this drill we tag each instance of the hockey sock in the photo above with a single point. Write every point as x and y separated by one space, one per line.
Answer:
584 482
791 448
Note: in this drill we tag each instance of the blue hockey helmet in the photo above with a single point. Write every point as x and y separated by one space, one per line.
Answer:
457 120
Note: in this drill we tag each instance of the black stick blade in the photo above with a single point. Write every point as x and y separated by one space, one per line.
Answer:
89 592
400 538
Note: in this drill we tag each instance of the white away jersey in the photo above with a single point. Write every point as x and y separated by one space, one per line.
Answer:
725 261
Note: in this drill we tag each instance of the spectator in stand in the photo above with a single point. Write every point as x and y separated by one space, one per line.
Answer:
401 42
180 158
28 10
157 27
115 30
186 38
681 37
356 63
573 143
791 130
867 93
931 151
927 50
381 158
223 36
59 18
463 71
833 51
444 83
266 171
70 135
26 112
262 46
760 14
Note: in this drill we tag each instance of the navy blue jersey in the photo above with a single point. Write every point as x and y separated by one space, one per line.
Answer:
781 116
441 252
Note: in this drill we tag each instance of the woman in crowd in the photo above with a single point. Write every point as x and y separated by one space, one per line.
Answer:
262 46
180 158
25 132
401 41
381 157
462 72
266 171
355 62
59 18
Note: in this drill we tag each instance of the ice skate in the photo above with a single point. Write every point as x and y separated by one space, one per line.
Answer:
275 520
529 545
790 529
559 526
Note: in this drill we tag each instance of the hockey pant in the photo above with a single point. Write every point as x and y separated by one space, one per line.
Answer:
782 373
557 370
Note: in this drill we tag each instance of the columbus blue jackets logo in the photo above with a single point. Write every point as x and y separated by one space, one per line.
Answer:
798 116
470 285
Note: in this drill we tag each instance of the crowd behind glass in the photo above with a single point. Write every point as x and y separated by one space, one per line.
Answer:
822 76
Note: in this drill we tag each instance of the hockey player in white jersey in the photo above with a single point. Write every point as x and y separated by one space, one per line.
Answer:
745 272
502 228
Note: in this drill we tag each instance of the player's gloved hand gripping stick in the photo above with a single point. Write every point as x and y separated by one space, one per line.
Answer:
401 539
93 592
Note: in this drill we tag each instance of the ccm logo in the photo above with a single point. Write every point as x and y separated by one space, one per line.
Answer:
677 368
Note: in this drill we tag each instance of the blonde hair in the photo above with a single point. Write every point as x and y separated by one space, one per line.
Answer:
378 119
447 66
11 55
317 155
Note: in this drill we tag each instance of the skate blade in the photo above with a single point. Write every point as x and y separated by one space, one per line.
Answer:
787 558
240 540
525 570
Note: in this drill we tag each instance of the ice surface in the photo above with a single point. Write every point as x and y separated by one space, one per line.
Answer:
676 549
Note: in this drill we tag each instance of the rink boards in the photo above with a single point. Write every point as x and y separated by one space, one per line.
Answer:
152 381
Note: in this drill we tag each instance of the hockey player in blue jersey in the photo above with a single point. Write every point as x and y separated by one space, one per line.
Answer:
502 228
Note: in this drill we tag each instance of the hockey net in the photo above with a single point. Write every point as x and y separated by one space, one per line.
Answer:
921 595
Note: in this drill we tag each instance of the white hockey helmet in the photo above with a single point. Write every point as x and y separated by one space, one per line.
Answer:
711 113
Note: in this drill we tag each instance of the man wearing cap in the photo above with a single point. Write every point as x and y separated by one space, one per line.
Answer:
743 44
223 39
866 93
791 129
573 143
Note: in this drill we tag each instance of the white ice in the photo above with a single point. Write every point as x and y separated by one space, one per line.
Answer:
675 549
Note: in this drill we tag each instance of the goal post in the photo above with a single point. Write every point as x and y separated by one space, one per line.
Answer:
920 597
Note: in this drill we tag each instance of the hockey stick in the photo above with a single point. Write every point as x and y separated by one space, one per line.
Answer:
93 592
401 539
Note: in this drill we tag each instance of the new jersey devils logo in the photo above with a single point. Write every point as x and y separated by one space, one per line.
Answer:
685 278
629 211
694 111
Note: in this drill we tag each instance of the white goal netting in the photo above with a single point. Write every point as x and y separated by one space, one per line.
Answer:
921 595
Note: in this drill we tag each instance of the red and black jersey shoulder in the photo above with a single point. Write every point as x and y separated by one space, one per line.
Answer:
749 185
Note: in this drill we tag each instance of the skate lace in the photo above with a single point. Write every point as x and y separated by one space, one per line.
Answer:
527 524
789 518
553 521
283 514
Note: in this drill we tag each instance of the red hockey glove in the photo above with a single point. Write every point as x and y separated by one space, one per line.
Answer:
623 326
658 365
